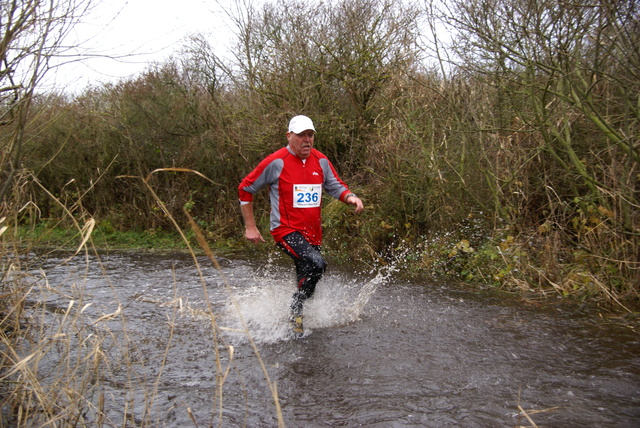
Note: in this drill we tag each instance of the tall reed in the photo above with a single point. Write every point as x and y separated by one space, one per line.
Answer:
61 349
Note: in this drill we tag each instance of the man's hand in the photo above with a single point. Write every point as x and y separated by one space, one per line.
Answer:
251 232
354 200
253 235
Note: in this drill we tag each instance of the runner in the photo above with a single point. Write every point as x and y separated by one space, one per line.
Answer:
296 175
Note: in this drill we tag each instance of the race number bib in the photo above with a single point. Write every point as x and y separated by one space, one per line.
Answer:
307 195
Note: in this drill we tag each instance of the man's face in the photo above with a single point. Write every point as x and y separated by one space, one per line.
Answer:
301 144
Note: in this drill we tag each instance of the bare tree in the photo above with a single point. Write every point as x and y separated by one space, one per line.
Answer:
31 35
572 68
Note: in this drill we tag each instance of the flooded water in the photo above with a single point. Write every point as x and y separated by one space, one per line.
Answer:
377 351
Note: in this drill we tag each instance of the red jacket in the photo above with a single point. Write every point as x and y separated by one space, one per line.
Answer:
295 190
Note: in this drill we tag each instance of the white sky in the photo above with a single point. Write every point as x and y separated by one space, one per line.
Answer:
139 32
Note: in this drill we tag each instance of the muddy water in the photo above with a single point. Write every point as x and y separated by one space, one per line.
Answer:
377 352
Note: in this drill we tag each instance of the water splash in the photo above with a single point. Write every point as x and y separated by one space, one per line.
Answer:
265 305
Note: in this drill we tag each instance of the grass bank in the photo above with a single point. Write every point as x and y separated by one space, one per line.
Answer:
104 236
514 263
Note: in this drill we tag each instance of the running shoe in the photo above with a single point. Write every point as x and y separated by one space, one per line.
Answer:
297 329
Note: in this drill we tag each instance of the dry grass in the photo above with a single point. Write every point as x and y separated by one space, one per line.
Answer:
527 414
58 347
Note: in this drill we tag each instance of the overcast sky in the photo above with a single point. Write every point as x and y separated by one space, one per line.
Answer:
137 32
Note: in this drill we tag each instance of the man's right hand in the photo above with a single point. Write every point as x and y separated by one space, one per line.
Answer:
251 232
253 235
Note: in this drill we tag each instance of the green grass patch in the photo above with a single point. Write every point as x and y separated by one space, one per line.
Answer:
57 235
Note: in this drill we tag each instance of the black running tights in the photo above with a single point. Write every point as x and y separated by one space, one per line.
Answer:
310 265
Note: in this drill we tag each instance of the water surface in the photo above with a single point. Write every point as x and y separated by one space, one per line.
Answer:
377 352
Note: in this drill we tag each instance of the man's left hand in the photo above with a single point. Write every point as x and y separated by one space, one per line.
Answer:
354 200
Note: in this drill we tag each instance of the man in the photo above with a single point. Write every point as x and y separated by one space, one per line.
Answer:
296 175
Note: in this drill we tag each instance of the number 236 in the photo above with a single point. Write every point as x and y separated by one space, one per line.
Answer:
306 197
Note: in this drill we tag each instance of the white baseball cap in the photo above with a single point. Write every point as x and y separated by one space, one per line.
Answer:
299 124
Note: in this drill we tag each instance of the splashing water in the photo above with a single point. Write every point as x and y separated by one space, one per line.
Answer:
265 306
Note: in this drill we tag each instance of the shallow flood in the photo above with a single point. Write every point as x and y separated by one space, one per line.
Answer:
377 351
